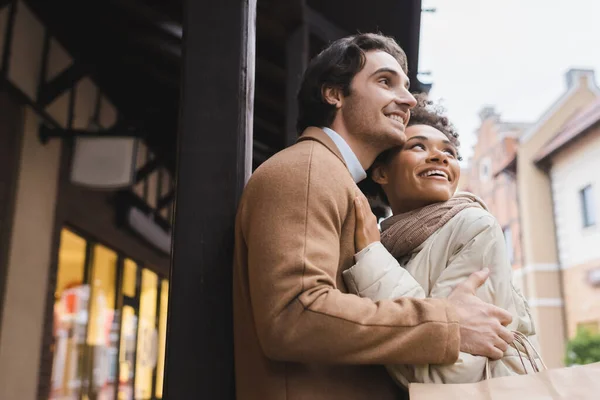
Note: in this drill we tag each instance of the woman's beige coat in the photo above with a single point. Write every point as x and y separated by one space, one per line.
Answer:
470 241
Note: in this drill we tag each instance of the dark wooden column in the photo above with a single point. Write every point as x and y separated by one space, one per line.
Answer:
214 162
296 59
297 50
11 135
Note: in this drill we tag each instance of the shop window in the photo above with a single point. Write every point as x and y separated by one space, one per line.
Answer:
70 318
129 328
109 325
162 336
147 336
103 328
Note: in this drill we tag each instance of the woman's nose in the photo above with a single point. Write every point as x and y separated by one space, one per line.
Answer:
438 156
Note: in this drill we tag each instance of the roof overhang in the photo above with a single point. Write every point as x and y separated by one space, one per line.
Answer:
583 123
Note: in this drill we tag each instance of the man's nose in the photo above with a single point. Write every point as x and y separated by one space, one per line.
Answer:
405 97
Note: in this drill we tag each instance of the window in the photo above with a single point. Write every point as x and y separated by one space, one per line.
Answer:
485 169
109 325
591 326
509 243
587 206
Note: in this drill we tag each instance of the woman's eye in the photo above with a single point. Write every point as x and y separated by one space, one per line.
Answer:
418 145
385 81
451 152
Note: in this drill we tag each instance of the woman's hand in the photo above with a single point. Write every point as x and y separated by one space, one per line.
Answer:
367 230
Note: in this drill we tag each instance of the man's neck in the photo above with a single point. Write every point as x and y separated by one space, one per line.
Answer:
365 154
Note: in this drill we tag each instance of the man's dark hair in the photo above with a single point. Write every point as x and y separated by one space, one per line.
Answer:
335 67
424 113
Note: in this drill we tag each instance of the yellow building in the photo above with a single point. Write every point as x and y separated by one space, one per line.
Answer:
571 161
542 274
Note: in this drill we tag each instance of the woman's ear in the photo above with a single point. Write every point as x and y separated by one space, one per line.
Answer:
333 96
379 174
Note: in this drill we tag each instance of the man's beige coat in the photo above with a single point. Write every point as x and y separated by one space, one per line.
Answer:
298 333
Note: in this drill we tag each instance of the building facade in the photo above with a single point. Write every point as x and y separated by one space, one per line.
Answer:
542 272
83 297
490 177
541 190
571 161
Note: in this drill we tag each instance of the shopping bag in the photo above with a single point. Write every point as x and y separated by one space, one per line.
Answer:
570 383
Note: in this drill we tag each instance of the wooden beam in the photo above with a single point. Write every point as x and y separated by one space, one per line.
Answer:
322 27
269 101
8 37
165 200
147 169
270 72
64 81
297 53
267 126
140 11
217 96
11 136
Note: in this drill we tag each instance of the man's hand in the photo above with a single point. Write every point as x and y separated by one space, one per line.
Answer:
367 231
483 329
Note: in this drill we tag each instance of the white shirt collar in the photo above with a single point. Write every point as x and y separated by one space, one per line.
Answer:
356 170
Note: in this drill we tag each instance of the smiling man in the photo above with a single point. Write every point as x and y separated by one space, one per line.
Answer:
298 333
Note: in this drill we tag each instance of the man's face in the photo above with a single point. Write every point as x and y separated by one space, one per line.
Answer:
378 107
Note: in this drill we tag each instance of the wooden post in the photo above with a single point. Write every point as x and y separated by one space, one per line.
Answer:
297 48
214 163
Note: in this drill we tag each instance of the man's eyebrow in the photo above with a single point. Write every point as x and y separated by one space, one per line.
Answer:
386 69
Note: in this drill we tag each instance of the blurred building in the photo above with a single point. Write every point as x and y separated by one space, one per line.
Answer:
489 176
538 180
85 212
571 160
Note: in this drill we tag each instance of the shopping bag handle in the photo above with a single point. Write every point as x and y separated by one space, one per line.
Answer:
524 342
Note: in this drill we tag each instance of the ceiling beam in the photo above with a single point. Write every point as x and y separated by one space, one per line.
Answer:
323 28
64 81
140 11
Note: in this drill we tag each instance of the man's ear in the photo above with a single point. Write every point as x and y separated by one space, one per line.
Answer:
379 174
333 96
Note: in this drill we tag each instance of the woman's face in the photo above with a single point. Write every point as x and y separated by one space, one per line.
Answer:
425 171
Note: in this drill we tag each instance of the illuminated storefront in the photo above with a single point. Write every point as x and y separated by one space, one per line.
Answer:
109 324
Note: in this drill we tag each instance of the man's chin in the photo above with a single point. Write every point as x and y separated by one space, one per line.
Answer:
398 137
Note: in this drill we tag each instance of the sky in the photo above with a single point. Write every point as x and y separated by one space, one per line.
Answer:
509 54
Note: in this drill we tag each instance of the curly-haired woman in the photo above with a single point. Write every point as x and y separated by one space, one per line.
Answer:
436 239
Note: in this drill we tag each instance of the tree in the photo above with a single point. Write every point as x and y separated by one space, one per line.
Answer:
584 348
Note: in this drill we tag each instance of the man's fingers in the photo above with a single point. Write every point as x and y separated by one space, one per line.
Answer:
475 280
495 353
501 314
501 345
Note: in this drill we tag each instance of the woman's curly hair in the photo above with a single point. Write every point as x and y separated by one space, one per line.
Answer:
426 112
